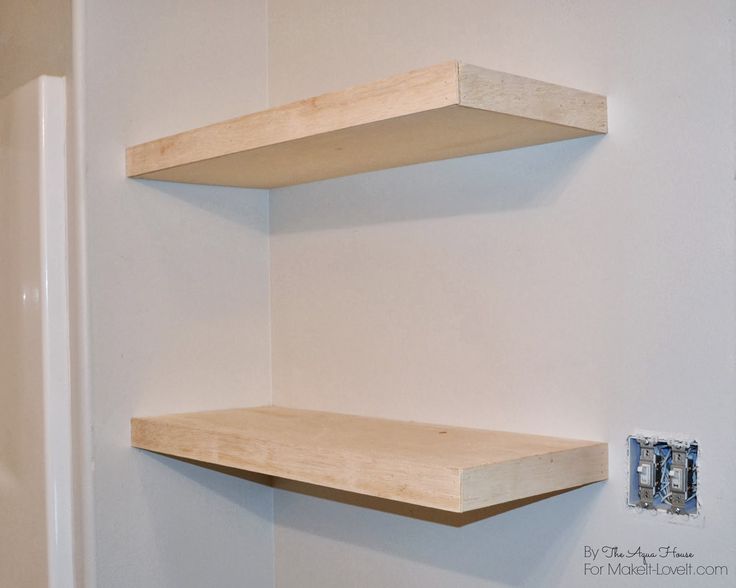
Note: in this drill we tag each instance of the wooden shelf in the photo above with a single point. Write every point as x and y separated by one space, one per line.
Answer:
449 468
448 110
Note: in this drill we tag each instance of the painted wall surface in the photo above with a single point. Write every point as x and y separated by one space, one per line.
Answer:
35 39
582 289
177 291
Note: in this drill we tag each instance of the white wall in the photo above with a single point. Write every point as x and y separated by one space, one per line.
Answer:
581 289
177 287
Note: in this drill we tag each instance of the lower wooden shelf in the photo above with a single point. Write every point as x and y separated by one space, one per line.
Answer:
448 468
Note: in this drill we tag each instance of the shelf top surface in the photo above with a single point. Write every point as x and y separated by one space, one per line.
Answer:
447 110
450 447
438 445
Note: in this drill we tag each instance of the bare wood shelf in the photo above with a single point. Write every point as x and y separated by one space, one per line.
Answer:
445 111
448 468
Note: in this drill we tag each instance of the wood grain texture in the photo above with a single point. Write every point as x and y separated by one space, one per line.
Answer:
444 111
449 468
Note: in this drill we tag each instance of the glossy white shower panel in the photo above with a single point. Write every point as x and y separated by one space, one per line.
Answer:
35 432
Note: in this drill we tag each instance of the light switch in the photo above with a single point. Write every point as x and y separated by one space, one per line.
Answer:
645 474
663 474
676 477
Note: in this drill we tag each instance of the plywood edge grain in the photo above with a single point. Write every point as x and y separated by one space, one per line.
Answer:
400 95
525 97
534 475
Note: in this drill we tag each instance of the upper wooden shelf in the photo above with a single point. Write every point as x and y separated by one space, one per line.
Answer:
448 110
449 468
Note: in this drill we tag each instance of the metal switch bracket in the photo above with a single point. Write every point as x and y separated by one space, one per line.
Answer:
648 471
680 475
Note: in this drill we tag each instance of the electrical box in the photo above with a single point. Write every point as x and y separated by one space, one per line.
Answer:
663 474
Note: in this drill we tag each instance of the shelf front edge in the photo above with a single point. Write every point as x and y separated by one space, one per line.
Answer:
400 95
534 476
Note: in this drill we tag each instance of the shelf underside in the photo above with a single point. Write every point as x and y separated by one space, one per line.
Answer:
448 468
449 110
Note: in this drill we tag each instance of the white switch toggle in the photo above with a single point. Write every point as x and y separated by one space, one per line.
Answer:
645 474
676 475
